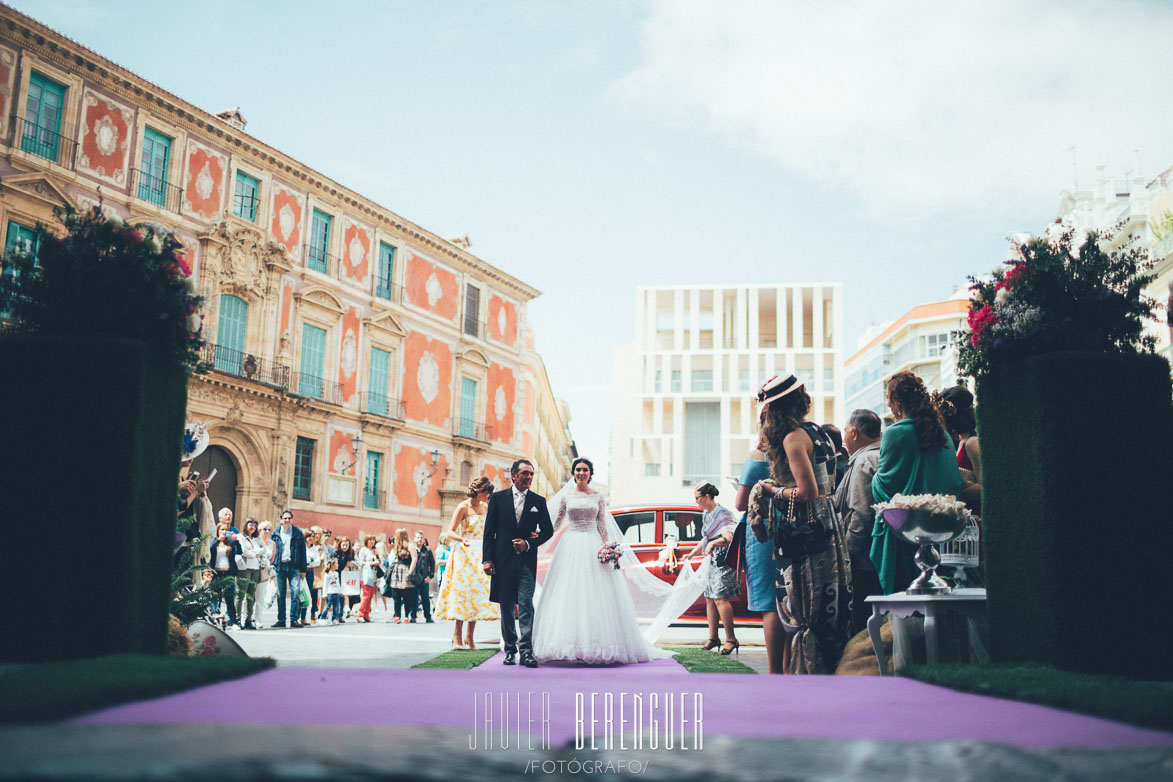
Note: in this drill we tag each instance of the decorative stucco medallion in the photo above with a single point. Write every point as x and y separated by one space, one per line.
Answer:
204 183
428 377
422 479
499 402
434 289
349 354
106 136
286 218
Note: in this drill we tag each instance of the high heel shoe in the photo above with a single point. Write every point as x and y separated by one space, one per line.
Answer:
730 646
712 643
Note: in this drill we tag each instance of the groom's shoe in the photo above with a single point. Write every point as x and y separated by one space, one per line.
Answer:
527 659
510 657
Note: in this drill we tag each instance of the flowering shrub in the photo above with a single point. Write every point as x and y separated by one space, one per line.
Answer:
1058 296
104 276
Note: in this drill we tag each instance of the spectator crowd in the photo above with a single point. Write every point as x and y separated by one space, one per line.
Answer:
310 577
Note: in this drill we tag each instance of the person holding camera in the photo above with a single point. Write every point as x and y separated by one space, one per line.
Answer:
223 555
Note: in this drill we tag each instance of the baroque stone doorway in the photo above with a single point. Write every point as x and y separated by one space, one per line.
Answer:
222 491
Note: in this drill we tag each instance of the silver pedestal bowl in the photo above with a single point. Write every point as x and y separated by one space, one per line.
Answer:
926 530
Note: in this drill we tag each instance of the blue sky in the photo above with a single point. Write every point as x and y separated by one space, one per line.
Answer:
589 148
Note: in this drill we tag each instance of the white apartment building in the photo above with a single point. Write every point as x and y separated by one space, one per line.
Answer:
919 341
1140 214
684 392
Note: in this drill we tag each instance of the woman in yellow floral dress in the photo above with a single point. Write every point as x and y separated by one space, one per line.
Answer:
464 595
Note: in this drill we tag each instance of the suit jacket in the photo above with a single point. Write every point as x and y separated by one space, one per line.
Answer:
297 553
502 526
853 502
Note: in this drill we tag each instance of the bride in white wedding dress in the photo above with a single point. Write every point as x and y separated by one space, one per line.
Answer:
586 610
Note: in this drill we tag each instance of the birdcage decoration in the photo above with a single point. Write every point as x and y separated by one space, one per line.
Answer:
962 551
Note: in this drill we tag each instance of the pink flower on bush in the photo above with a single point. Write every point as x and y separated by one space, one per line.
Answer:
1016 270
979 320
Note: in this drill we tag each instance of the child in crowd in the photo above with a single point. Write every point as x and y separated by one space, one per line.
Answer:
333 591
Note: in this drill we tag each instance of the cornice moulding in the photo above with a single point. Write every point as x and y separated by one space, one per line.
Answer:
135 88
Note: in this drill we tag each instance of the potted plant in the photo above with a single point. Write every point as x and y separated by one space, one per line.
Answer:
1074 413
100 331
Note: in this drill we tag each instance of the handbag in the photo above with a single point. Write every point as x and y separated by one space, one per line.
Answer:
270 593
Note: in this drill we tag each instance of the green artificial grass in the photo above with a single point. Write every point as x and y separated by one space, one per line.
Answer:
45 692
1145 703
698 660
458 659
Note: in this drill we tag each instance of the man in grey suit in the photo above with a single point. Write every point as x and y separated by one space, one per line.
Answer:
853 502
516 524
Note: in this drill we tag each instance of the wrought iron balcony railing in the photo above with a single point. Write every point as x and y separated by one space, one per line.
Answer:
474 328
314 387
245 206
45 142
472 430
382 405
374 500
385 289
322 262
245 365
155 190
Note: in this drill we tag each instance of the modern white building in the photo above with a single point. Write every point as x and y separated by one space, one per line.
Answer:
684 392
919 341
1138 213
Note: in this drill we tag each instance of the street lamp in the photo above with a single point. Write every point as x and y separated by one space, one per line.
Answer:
435 463
355 444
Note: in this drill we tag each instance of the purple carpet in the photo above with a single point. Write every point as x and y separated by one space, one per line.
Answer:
829 707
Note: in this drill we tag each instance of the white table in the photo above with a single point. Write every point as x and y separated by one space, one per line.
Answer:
901 605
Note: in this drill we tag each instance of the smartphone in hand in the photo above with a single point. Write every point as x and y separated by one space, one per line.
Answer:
211 475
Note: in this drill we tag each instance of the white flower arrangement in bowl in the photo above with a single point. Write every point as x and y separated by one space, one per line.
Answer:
925 520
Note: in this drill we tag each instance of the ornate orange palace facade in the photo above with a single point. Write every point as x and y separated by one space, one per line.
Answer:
360 368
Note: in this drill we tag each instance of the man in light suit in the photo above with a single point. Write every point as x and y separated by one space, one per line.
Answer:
516 524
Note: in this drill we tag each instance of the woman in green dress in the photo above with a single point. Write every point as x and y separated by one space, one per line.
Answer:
916 457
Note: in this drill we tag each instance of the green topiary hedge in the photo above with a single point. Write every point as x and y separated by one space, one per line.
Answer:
91 431
1076 464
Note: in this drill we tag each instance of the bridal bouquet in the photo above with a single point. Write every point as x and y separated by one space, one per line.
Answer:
610 553
936 504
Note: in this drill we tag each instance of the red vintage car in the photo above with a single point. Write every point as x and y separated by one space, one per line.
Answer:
644 527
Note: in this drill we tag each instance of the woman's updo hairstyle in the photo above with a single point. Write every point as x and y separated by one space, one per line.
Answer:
707 490
956 407
908 392
587 462
479 486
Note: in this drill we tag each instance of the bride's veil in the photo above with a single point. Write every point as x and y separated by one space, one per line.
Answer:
657 603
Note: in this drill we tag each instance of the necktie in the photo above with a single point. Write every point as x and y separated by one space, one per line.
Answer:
518 504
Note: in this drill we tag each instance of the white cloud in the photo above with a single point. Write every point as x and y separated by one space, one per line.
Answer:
919 106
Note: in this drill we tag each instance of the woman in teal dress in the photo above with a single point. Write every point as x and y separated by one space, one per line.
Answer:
916 457
760 573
